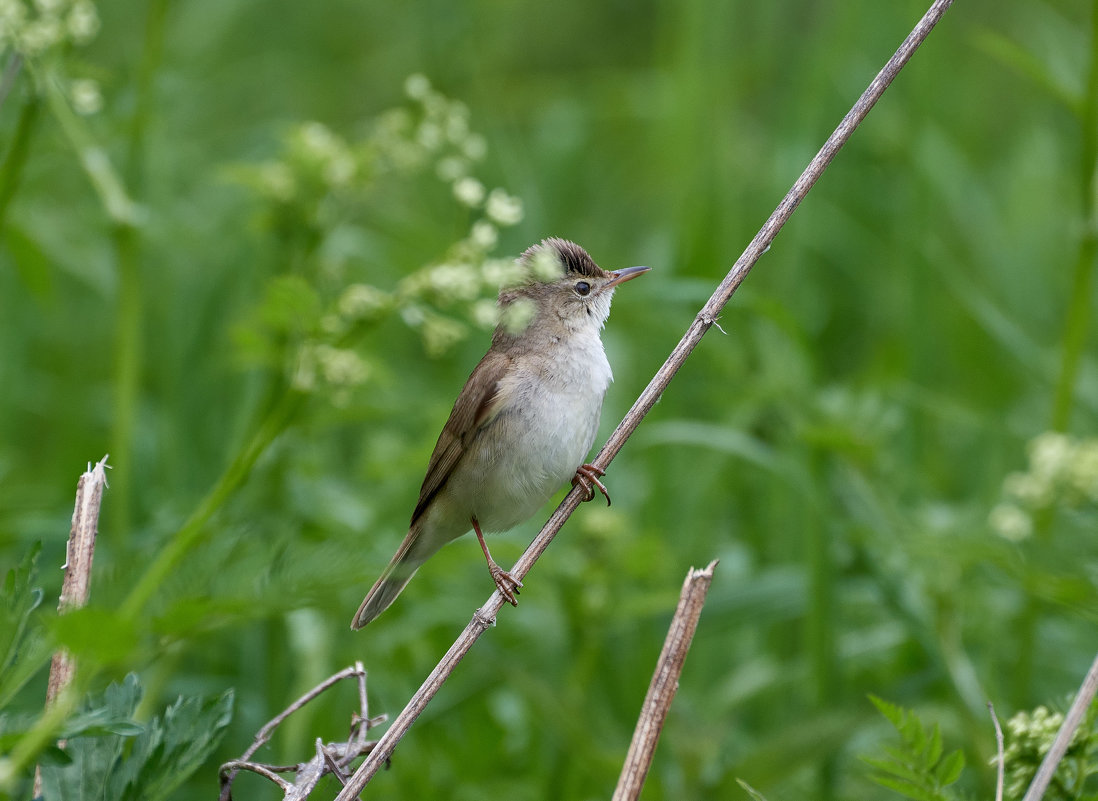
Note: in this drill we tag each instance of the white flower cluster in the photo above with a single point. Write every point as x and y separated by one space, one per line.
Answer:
33 28
338 370
1029 737
325 184
1063 470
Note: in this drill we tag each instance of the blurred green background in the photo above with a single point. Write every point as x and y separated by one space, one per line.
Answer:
188 192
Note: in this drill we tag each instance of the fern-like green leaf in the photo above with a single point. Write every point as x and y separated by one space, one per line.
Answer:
907 788
917 768
949 769
110 763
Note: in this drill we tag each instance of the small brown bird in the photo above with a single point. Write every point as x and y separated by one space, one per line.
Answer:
525 420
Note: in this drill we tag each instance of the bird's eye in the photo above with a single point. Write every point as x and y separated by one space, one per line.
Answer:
583 288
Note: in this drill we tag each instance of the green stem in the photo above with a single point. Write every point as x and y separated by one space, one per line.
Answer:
105 180
194 531
1074 339
130 313
11 171
1078 317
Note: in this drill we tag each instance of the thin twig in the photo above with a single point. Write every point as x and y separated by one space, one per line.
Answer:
76 586
267 771
335 757
665 681
1072 721
999 751
485 616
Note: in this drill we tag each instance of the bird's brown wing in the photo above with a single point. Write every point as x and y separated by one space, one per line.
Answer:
476 405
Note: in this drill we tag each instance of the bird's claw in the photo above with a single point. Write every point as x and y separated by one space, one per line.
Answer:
587 476
507 584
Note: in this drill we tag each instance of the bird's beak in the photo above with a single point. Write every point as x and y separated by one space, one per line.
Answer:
623 275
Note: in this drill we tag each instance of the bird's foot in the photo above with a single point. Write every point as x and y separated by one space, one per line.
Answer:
587 476
507 584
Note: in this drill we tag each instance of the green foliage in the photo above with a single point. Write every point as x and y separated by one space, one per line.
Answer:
234 239
919 768
24 648
112 757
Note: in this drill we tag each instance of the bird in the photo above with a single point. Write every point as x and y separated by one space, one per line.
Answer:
524 421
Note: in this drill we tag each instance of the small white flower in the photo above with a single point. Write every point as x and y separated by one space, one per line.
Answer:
451 168
86 98
317 139
12 16
429 135
504 209
413 316
340 169
502 273
41 34
1084 469
359 301
1033 491
455 281
546 265
1010 522
1049 453
484 235
469 191
417 86
341 366
441 333
82 22
457 122
484 313
517 315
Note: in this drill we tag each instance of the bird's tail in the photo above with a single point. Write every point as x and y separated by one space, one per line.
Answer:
392 581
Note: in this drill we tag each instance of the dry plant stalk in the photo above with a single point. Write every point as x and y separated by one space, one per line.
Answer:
76 586
1001 763
665 681
334 758
486 615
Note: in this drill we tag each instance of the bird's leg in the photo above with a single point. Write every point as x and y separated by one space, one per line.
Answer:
507 584
587 476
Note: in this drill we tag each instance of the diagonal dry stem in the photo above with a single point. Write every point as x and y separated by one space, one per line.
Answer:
486 615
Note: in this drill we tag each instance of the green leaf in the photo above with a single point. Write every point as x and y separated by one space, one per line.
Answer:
24 649
916 769
908 789
934 746
894 768
172 748
94 758
100 721
949 769
892 713
110 763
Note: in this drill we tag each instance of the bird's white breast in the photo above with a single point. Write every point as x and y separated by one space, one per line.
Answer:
550 404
